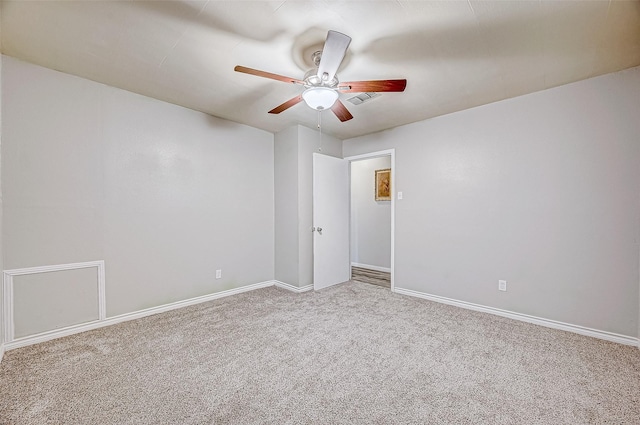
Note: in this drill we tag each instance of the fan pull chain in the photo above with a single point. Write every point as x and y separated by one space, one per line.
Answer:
320 130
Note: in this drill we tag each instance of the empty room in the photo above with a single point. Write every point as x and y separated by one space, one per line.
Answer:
333 212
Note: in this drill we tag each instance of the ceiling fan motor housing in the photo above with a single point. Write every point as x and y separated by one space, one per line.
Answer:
321 93
311 79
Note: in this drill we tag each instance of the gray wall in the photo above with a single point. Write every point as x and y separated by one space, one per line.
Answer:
370 219
165 195
41 301
293 151
540 190
286 206
1 209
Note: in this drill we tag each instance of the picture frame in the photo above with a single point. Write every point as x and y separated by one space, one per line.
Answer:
383 185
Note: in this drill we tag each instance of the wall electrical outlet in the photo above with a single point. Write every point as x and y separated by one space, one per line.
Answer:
218 274
502 285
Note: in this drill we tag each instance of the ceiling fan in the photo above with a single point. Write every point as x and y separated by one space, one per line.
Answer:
322 87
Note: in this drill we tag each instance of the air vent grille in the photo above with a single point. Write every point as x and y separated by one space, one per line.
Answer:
363 97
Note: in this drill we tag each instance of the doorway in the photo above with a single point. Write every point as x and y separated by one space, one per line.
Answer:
331 218
372 217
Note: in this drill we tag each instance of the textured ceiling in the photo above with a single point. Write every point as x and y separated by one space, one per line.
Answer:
454 54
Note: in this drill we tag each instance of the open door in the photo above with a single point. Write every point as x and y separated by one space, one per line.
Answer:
330 221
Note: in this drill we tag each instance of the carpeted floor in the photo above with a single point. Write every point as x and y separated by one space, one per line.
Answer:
350 354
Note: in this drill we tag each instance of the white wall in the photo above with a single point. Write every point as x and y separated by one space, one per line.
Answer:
370 219
165 195
540 190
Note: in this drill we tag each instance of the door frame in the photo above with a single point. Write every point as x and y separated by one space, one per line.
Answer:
377 154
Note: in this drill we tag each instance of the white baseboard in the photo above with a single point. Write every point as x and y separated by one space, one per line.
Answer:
609 336
70 330
292 288
370 267
1 352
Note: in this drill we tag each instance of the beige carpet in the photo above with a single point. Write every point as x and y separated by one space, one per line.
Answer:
351 354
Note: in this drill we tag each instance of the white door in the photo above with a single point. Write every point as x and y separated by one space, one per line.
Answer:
330 220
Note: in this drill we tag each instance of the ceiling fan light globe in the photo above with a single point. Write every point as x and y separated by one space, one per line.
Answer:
320 98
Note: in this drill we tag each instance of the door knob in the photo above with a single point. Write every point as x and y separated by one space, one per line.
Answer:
320 230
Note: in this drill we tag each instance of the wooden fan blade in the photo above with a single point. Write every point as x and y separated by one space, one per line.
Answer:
265 74
286 105
341 111
373 86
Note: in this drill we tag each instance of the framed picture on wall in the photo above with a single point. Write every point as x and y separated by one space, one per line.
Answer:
383 185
